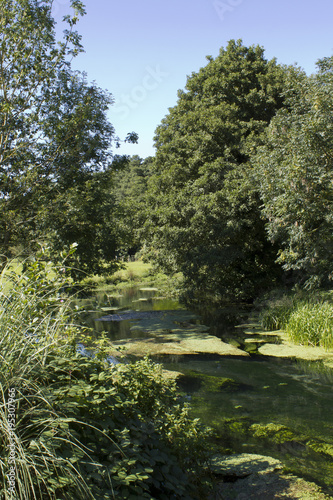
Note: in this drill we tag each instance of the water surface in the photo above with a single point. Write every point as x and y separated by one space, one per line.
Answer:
247 400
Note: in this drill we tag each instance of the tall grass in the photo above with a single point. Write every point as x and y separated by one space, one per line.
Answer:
307 319
312 324
276 316
33 321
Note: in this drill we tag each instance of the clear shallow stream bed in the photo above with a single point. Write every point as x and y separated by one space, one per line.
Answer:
257 403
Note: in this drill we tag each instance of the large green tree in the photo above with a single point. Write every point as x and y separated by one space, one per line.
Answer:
30 60
55 139
205 217
295 172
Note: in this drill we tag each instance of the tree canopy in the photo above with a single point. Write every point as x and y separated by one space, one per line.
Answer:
205 207
55 139
295 172
238 194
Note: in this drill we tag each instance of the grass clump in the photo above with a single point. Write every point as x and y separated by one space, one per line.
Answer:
312 324
276 316
72 426
307 319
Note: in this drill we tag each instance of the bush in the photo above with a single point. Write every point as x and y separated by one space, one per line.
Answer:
83 428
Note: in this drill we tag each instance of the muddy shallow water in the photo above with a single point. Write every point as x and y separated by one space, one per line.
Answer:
257 403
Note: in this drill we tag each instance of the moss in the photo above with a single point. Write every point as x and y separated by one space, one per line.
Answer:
240 427
193 381
322 448
273 432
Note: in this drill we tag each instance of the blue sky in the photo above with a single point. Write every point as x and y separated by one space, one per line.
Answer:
142 51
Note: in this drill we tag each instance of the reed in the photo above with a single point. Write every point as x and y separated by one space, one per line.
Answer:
306 318
33 322
276 316
312 324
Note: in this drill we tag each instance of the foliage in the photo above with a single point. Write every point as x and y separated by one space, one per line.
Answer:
130 186
86 215
30 62
294 169
55 142
204 217
84 428
158 400
33 317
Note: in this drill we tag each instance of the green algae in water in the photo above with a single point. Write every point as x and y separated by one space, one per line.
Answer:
264 405
274 433
196 381
275 408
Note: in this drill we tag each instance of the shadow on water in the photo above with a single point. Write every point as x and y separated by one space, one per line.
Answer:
257 404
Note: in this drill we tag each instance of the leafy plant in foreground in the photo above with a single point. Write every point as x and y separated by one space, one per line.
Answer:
33 319
122 428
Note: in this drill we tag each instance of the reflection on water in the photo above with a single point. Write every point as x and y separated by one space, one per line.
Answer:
242 397
130 299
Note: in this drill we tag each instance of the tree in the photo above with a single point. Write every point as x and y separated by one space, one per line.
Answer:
55 139
130 188
205 218
295 171
30 60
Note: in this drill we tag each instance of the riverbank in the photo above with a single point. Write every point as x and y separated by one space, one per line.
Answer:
136 274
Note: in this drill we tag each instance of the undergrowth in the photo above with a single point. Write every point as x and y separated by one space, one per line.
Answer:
74 426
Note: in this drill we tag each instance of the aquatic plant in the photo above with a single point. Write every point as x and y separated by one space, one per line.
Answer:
276 316
312 324
307 318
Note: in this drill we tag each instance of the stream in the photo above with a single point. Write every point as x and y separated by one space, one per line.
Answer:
275 406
